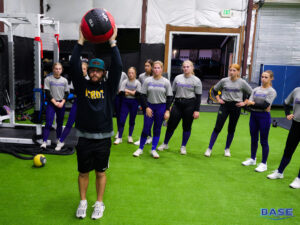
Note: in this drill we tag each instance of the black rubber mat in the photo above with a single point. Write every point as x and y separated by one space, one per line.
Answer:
281 122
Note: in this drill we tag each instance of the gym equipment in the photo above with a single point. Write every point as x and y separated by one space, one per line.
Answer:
11 21
39 160
97 25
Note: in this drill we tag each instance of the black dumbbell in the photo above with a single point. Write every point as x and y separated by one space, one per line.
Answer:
274 123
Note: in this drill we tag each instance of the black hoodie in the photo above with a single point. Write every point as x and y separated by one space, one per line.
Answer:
95 100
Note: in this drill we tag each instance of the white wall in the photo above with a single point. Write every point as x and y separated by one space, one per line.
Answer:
128 14
22 6
278 41
192 13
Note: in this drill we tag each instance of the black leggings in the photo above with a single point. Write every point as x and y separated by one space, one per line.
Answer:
290 146
225 110
182 109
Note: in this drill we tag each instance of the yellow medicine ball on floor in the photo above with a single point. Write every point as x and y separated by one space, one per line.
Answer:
39 160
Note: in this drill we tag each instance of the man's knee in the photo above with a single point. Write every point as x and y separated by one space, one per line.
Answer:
100 175
83 175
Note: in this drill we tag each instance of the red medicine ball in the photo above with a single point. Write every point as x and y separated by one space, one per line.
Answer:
97 25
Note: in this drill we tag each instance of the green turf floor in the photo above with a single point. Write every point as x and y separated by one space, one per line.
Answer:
173 190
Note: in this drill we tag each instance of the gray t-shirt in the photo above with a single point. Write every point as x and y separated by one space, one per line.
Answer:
260 94
123 77
233 90
187 87
142 77
294 97
57 87
132 86
157 90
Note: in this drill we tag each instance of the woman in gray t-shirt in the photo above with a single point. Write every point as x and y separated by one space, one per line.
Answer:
156 96
231 101
129 104
293 136
260 103
187 89
56 88
142 77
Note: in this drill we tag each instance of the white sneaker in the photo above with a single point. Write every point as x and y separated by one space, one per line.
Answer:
207 152
117 135
138 152
227 152
130 140
118 141
261 167
137 143
154 154
275 175
249 162
183 150
162 147
44 145
296 183
98 210
81 210
149 140
59 146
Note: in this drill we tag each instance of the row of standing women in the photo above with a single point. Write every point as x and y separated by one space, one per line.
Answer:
155 94
236 93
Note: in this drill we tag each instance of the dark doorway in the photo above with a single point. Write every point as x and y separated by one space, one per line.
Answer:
211 55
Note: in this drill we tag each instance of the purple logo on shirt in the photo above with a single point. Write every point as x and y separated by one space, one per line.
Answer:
184 85
56 84
232 89
130 86
155 85
260 95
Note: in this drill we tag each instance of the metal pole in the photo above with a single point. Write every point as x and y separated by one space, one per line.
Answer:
248 26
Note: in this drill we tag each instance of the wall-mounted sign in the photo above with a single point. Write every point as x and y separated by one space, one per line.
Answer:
226 13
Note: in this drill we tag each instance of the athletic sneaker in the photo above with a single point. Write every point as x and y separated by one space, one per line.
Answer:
59 146
207 152
98 210
261 167
130 140
183 150
275 175
138 152
162 147
81 210
137 143
44 145
295 183
149 140
117 135
249 162
154 154
118 141
227 152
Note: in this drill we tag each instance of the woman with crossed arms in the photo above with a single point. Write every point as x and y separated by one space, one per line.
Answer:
156 95
187 90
